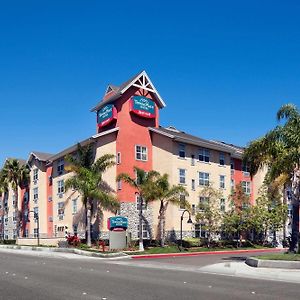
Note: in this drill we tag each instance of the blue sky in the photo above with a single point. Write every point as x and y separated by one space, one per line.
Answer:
222 67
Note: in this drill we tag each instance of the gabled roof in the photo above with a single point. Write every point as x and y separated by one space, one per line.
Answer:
42 156
85 142
180 136
140 80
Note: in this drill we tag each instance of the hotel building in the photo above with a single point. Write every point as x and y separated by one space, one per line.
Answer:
127 126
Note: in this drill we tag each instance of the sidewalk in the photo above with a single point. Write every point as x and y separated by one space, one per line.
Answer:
76 251
165 255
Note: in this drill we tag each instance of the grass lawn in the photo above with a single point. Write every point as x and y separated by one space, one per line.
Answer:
280 256
174 249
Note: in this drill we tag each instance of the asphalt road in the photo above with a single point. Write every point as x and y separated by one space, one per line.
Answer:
40 277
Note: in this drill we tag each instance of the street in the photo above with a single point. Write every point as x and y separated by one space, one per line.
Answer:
66 276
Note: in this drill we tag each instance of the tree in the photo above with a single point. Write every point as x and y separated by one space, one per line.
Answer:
209 212
279 151
88 181
139 183
17 175
236 220
159 189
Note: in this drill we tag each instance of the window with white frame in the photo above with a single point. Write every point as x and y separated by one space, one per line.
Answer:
192 160
0 204
35 194
203 202
14 200
222 204
182 176
118 158
193 184
35 214
232 164
60 186
74 206
26 233
35 174
119 184
60 166
203 179
35 232
60 210
14 217
222 159
204 155
222 181
145 230
182 204
141 153
232 184
139 201
246 185
181 150
246 169
199 231
14 234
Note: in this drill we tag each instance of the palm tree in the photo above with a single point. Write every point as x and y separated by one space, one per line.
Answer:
139 183
88 181
161 190
279 151
17 175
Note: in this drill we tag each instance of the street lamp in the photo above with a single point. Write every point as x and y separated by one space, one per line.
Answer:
36 216
189 221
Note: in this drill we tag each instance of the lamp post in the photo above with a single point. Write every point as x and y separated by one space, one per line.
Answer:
189 221
36 216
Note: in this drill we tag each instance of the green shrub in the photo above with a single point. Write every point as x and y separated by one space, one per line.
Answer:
8 242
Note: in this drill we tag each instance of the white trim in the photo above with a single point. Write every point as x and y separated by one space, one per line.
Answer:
105 132
144 75
161 132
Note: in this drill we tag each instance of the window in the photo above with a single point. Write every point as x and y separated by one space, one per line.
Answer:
60 186
14 234
139 201
145 231
222 159
182 204
246 187
35 232
222 181
204 155
193 184
231 164
118 158
182 176
222 205
14 217
26 233
35 194
0 204
35 174
60 210
192 160
181 150
36 214
232 184
203 178
74 206
14 200
203 202
199 231
119 184
60 166
193 209
246 169
140 153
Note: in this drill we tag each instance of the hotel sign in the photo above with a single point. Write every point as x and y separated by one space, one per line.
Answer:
106 114
115 223
142 106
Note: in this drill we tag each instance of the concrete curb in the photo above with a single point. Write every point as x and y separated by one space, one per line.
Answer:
165 255
65 250
278 264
